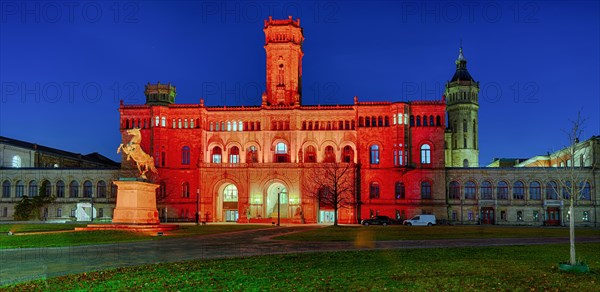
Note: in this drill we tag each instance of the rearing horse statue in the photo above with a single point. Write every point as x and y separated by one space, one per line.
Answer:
134 150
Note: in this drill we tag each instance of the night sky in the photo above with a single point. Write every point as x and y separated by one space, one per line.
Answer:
64 66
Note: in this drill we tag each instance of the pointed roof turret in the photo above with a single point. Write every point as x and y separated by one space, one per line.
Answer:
461 69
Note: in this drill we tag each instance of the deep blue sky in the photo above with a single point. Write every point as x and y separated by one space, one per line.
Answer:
63 68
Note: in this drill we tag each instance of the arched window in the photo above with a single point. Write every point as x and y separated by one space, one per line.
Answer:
185 190
412 120
387 121
486 190
185 155
425 121
425 154
551 191
19 189
33 188
360 121
217 126
470 191
374 190
74 189
431 124
161 192
101 189
60 189
465 126
156 121
310 155
418 121
6 189
380 121
87 189
252 155
518 191
400 190
230 193
454 190
465 163
281 152
367 121
234 126
16 161
426 190
240 126
502 190
374 154
163 122
348 154
535 192
216 155
234 155
586 191
329 154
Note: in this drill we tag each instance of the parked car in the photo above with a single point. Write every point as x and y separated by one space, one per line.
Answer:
377 220
421 220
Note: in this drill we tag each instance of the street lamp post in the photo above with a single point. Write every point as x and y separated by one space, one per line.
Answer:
197 203
278 206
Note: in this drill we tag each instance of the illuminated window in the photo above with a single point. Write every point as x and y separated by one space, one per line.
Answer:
585 216
16 161
234 155
234 126
240 126
156 121
163 122
519 215
230 193
425 154
374 157
192 123
252 156
518 191
179 123
454 190
374 190
216 155
281 152
185 155
426 190
87 189
185 123
174 124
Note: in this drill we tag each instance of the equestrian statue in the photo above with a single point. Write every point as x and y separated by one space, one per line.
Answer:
134 151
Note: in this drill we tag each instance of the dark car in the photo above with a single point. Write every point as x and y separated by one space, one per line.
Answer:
377 220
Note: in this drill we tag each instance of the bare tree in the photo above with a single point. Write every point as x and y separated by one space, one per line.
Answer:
332 185
572 179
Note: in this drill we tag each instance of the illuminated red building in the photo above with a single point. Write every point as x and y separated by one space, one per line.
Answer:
232 163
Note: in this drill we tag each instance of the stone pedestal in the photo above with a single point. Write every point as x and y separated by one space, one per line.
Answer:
136 203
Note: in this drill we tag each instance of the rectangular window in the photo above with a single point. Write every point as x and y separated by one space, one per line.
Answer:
185 123
536 216
454 215
585 216
470 215
174 125
100 212
73 212
58 212
5 212
503 215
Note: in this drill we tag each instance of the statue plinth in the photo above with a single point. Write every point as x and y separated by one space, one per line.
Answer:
136 203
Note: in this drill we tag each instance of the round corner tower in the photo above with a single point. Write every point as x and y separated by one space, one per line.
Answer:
462 91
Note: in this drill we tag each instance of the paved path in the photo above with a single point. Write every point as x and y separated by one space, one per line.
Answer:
17 265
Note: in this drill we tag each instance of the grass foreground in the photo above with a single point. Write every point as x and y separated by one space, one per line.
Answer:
395 232
475 268
98 237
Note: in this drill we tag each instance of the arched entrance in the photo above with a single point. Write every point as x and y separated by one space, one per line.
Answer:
227 207
275 207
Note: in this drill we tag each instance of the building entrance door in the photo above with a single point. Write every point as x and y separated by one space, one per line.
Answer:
326 216
553 216
487 215
231 215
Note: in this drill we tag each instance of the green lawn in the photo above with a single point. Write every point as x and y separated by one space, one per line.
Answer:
459 269
380 233
101 237
16 228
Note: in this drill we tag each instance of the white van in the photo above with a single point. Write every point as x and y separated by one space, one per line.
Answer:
421 220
